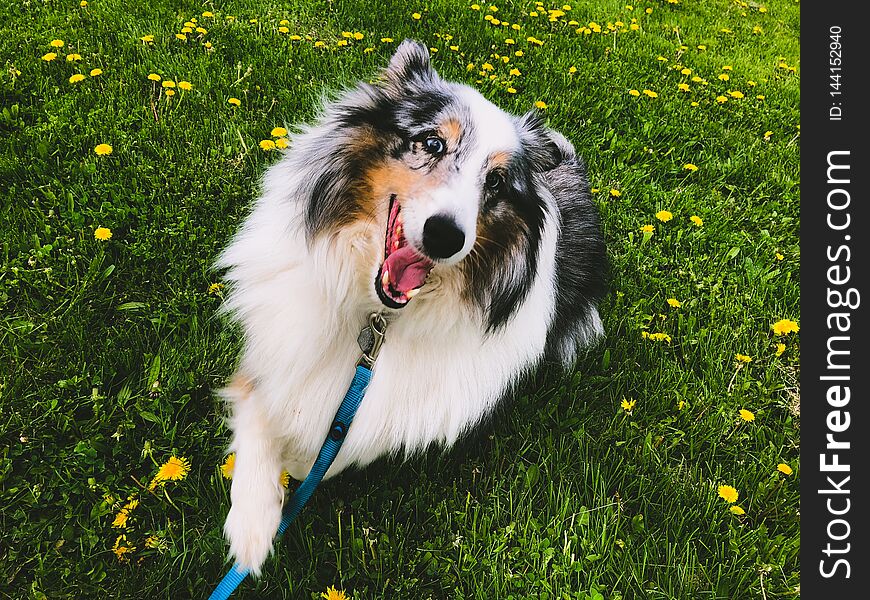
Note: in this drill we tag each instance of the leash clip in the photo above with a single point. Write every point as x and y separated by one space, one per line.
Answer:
371 339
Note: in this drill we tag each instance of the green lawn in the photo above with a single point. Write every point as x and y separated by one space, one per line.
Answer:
110 349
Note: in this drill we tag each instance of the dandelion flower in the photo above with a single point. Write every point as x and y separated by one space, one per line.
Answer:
121 549
728 493
267 145
736 510
780 349
736 94
103 149
174 469
767 135
651 93
690 167
235 101
168 83
185 85
683 87
511 90
148 39
615 192
215 288
696 220
416 16
154 77
73 57
284 479
721 99
170 92
76 78
647 229
181 36
674 303
102 234
49 56
282 143
208 13
785 327
627 405
681 405
96 72
724 76
540 104
747 415
120 521
784 469
83 3
333 594
664 216
57 43
660 337
279 132
743 358
229 466
702 47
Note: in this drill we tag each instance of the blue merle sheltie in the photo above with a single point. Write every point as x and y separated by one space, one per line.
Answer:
469 229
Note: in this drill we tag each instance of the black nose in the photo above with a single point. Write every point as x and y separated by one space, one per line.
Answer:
442 237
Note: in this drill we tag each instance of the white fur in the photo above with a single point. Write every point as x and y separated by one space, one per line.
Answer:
301 307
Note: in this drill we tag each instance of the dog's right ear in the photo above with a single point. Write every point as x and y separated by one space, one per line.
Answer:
409 64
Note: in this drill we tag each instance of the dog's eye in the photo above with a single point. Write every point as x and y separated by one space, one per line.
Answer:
434 145
494 181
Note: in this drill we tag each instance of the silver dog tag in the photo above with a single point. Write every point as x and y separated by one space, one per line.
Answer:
366 340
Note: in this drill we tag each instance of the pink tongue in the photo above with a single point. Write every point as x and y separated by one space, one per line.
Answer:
408 270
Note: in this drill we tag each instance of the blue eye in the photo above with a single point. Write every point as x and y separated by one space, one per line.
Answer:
434 145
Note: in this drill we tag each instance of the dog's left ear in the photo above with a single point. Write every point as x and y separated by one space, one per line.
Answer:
409 64
545 148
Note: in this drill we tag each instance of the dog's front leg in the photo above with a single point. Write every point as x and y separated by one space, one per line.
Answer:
256 492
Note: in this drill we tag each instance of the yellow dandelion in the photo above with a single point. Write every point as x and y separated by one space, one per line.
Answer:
202 30
76 78
760 97
736 94
121 549
702 47
295 37
120 521
207 45
181 36
57 43
681 405
50 56
780 349
333 594
747 415
154 77
215 288
416 16
168 83
627 405
650 93
767 135
235 101
284 479
724 76
660 337
387 40
785 327
174 469
696 220
511 90
690 167
736 510
229 466
647 229
186 29
170 92
185 85
540 104
148 39
283 22
96 72
207 14
673 302
282 143
103 149
279 132
743 358
784 469
721 99
358 35
615 192
683 87
102 234
73 57
728 493
83 3
664 216
267 145
572 70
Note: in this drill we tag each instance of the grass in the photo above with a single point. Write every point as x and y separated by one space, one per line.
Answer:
110 350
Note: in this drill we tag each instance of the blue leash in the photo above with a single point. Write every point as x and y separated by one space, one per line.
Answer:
370 343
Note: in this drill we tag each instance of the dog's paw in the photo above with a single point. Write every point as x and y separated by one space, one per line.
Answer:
250 529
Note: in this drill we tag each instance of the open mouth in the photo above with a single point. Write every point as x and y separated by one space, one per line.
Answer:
404 269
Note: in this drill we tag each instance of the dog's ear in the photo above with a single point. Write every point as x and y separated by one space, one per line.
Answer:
545 148
410 63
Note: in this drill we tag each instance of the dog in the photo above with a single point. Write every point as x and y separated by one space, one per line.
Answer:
470 230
